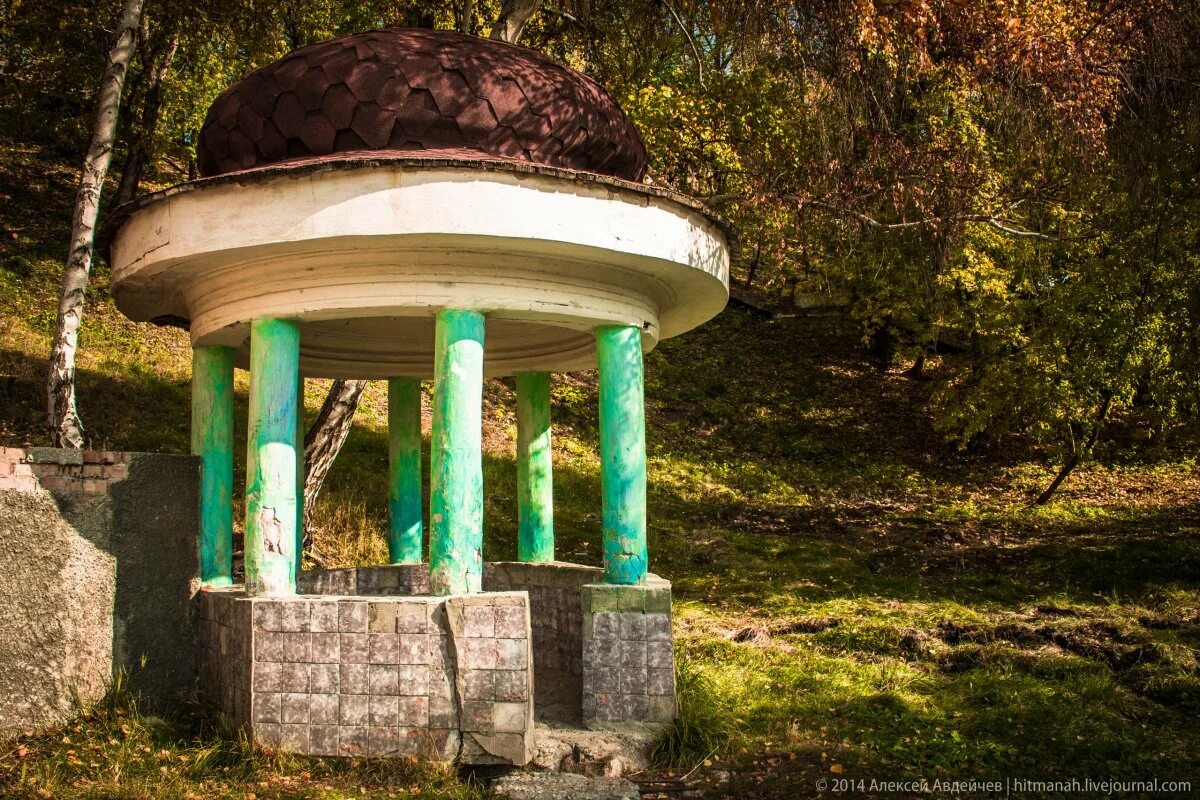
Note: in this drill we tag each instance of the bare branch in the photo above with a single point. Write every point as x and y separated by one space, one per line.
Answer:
691 41
1002 225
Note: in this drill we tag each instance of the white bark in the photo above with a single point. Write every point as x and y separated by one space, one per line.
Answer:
514 15
66 428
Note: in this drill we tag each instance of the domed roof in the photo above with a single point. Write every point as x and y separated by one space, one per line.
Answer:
420 90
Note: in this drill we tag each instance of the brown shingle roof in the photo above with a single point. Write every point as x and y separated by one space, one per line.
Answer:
420 90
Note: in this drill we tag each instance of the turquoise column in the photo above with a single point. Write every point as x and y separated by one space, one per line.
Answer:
622 453
535 469
456 460
299 475
212 440
404 470
271 461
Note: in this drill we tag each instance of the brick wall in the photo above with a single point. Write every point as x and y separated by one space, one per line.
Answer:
61 470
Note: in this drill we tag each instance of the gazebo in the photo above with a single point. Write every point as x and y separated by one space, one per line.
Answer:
409 205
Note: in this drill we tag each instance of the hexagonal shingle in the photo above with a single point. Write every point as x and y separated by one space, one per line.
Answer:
405 90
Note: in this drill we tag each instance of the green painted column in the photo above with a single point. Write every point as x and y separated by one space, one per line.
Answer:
404 470
535 469
212 440
299 475
271 444
622 453
456 460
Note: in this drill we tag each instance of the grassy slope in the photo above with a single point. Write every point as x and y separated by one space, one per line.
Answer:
852 595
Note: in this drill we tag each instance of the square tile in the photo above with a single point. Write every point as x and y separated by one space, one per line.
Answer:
293 738
510 717
354 679
353 648
660 655
268 734
325 648
323 678
660 681
266 707
412 618
297 647
294 677
631 626
268 676
479 684
353 709
658 627
413 712
511 685
325 616
352 616
266 615
381 618
512 654
384 648
413 679
478 654
324 709
414 648
323 740
510 622
479 621
384 710
268 646
295 616
353 740
383 741
477 716
384 679
295 707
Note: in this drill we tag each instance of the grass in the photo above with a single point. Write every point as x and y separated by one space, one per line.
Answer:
112 751
854 597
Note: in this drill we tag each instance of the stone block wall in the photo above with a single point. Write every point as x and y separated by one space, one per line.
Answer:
100 563
403 580
325 675
628 655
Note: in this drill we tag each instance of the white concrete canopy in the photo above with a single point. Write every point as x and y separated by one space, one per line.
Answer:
363 252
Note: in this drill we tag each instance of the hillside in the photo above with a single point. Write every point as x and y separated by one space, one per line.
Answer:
856 597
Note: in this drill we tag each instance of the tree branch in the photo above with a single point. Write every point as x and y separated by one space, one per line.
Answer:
691 41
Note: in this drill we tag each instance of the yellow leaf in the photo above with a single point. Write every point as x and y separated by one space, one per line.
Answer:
836 768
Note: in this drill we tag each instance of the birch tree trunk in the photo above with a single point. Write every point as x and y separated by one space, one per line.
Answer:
514 15
65 427
324 439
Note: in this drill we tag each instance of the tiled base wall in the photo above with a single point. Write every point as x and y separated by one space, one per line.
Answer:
443 677
617 639
628 656
555 592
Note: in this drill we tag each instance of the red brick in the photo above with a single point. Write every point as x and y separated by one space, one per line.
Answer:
116 472
94 486
22 469
92 456
95 470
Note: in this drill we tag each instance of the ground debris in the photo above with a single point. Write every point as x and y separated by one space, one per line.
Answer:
562 786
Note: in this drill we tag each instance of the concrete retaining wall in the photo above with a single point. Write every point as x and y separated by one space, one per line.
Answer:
98 568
